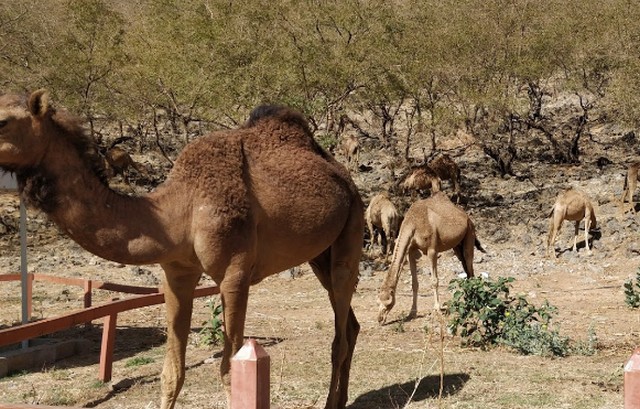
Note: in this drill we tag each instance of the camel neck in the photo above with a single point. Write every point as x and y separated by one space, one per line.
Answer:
106 223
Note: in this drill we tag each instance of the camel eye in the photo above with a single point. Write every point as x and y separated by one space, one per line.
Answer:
3 122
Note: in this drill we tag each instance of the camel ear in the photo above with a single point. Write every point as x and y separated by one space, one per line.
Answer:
39 102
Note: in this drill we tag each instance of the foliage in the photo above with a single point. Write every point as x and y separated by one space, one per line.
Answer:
484 313
393 67
632 291
212 332
138 361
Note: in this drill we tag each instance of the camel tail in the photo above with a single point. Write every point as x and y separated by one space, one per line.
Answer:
479 246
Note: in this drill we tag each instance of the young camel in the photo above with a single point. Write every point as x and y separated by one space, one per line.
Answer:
239 205
351 149
572 205
446 169
420 180
118 162
430 226
629 188
382 214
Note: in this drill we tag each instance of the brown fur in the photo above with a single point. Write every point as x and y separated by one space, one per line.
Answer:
572 205
238 205
382 214
630 184
421 179
430 226
446 169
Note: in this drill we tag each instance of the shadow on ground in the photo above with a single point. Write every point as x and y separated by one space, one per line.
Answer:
398 395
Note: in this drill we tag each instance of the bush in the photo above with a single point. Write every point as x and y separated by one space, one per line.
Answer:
484 313
212 332
632 291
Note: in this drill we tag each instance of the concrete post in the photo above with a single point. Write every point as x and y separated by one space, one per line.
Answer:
250 383
632 381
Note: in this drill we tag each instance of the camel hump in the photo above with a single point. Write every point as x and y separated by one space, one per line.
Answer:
279 112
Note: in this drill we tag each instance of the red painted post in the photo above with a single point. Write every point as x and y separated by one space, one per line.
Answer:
632 381
250 383
106 349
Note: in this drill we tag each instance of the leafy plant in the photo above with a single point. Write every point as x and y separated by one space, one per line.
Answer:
632 291
212 332
138 361
484 313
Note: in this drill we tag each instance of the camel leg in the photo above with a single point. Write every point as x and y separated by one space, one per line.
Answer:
432 255
414 254
234 294
372 235
576 230
178 289
554 227
337 270
587 227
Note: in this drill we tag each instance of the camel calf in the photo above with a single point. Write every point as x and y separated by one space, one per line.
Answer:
629 188
351 148
421 179
118 162
572 205
430 226
384 215
446 169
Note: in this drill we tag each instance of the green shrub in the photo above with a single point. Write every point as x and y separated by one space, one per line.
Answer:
632 291
212 332
484 313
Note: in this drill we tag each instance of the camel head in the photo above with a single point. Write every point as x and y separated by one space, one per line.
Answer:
21 123
386 301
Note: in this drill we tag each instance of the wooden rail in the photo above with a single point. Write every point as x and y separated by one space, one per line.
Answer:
149 296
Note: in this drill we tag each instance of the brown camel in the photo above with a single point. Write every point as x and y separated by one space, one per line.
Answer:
421 179
630 183
430 226
446 169
383 215
572 205
118 162
239 205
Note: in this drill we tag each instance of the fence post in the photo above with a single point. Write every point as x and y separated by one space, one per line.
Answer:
250 383
632 381
106 349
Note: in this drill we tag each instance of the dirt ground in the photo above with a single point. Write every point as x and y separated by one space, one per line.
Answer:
396 365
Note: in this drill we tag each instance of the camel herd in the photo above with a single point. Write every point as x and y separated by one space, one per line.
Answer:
240 205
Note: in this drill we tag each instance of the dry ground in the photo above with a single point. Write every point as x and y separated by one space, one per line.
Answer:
396 365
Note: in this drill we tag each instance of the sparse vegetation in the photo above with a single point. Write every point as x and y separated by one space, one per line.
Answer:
212 330
484 313
138 361
632 291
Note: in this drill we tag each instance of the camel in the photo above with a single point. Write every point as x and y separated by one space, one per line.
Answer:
239 205
382 214
351 149
430 226
572 205
630 183
118 162
446 169
421 179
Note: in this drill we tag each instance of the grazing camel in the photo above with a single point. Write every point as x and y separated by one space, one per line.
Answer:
118 162
630 182
430 226
421 179
239 205
382 214
572 205
446 169
351 149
